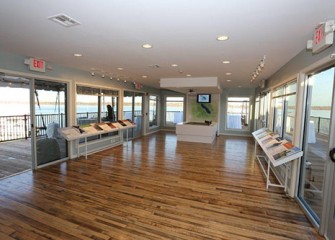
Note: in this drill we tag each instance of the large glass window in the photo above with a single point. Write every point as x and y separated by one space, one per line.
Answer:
174 110
95 105
87 104
278 104
290 110
257 114
284 102
264 110
92 105
153 108
238 113
109 105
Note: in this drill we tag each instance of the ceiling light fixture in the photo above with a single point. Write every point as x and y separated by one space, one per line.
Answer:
78 55
174 65
188 75
120 68
228 80
222 38
228 73
225 62
147 46
144 76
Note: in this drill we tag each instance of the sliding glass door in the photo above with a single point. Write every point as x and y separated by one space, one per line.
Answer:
317 170
133 110
50 115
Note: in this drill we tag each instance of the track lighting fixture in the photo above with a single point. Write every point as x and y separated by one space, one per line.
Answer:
258 69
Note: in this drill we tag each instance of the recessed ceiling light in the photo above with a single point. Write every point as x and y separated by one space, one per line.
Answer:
77 54
144 76
222 38
147 45
188 75
228 73
225 62
174 65
120 68
228 80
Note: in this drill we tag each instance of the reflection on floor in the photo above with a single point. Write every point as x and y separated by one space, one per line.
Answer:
152 188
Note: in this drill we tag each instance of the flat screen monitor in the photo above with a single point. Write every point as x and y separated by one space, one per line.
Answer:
203 98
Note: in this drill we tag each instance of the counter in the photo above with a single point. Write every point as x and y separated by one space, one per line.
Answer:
196 132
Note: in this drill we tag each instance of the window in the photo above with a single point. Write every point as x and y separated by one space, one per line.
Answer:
238 113
92 105
87 105
284 99
257 114
278 103
153 108
264 110
109 98
174 110
290 110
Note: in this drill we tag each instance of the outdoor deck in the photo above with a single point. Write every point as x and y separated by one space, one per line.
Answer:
15 157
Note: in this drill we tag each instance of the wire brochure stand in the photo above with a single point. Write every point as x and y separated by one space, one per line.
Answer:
276 152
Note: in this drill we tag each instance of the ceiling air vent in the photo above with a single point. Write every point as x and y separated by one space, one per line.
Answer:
154 66
64 20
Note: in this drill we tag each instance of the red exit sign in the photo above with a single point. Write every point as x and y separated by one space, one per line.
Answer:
319 34
323 36
36 65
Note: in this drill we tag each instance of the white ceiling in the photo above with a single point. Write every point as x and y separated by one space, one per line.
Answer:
181 31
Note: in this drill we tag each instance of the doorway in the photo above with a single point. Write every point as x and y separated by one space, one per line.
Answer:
133 110
15 119
50 115
317 170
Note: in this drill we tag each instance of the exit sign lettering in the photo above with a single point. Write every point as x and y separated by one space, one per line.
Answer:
36 65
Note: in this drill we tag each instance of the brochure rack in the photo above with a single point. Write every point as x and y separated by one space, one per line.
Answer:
75 133
277 152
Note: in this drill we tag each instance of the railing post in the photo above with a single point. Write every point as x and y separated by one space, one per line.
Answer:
25 127
61 120
319 124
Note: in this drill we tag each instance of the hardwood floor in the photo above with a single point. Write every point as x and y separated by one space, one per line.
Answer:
152 188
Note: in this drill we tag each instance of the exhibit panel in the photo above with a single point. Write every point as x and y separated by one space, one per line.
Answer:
75 133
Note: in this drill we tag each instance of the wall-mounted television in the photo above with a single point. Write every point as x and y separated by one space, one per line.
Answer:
203 98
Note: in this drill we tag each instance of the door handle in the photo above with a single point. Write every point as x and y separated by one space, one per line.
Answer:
332 154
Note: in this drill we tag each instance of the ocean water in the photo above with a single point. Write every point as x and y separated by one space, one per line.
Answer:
13 109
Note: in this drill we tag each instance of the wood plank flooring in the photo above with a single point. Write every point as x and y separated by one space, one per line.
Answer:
152 188
15 157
